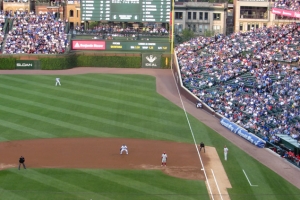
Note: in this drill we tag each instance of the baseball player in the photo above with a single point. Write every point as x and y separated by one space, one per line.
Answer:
123 148
164 157
57 82
202 146
225 152
22 162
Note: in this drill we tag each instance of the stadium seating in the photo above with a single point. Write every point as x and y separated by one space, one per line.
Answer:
2 23
287 4
35 34
250 78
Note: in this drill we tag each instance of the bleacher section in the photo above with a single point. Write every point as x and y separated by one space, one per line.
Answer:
250 78
27 33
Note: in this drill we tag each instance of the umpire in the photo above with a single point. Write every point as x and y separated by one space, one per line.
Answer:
202 146
22 162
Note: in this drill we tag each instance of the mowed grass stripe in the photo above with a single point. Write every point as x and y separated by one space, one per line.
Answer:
98 97
27 130
116 82
10 195
60 185
135 78
93 118
55 122
131 183
95 106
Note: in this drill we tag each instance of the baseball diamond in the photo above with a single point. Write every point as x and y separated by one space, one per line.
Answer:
86 147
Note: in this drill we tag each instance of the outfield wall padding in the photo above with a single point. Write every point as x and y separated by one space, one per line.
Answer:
80 59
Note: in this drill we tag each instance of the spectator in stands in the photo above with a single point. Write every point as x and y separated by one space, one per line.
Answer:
36 34
259 90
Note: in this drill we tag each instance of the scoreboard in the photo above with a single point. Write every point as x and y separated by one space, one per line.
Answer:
106 45
126 10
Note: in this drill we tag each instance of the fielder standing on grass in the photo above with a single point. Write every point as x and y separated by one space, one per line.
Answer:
57 82
164 157
225 152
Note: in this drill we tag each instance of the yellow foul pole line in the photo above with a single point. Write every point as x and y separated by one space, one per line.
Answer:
172 31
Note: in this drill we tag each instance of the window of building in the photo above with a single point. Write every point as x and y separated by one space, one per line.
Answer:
251 12
206 16
77 13
71 13
205 28
257 26
194 27
241 26
178 15
216 27
189 15
201 15
217 16
248 27
194 15
200 28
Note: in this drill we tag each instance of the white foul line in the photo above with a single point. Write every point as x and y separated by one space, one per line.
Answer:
248 179
188 121
212 171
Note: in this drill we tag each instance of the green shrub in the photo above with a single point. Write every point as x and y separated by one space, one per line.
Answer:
56 63
108 61
7 63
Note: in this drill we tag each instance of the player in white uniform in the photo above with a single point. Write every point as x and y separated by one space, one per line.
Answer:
225 152
57 82
123 148
164 157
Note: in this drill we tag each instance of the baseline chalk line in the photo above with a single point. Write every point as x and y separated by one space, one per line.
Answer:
212 171
249 180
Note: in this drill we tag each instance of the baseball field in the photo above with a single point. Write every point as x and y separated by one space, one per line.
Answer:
70 136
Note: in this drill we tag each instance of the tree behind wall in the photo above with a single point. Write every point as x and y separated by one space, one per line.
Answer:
187 34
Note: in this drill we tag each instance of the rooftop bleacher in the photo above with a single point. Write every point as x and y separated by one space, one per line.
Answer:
35 34
288 4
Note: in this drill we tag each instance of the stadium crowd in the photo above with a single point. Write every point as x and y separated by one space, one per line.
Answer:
35 34
2 22
116 30
251 78
288 4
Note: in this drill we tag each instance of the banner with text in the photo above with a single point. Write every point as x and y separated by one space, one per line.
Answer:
287 13
243 133
24 64
88 45
151 60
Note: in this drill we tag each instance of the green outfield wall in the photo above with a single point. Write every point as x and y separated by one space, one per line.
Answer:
82 59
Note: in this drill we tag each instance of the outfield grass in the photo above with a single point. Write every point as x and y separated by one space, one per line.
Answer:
102 105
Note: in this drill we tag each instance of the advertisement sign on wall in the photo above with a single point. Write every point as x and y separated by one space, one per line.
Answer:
287 13
24 64
137 46
88 45
243 133
151 60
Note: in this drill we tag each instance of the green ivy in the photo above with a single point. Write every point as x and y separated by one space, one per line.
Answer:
8 63
57 63
72 60
108 61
